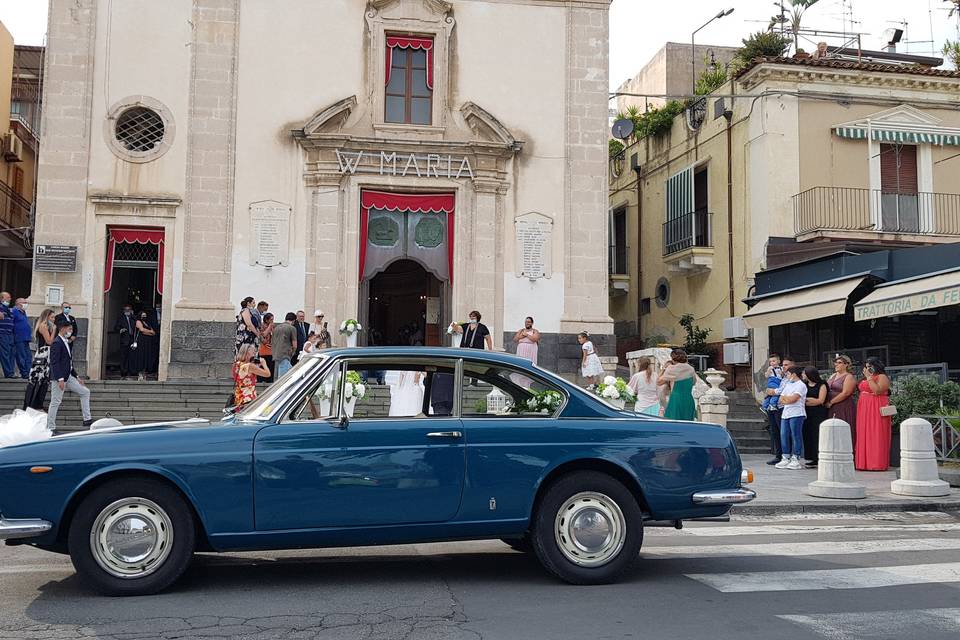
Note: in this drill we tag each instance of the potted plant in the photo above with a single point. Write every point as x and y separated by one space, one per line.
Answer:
350 328
615 391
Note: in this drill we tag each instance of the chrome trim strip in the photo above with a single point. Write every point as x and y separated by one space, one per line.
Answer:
724 496
25 528
445 434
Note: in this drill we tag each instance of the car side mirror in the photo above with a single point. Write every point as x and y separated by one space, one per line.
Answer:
343 423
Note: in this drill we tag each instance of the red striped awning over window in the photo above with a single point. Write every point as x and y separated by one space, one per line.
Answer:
426 203
134 235
399 42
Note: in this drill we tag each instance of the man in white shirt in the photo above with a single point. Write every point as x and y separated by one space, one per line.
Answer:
793 400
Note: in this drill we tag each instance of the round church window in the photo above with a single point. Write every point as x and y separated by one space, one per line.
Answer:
140 129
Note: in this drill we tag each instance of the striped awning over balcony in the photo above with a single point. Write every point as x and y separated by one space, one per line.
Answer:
897 135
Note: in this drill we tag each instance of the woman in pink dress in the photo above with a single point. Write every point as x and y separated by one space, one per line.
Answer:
872 452
528 345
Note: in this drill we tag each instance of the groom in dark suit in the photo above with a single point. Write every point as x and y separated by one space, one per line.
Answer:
63 377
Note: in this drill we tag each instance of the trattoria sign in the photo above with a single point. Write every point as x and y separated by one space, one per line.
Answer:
431 165
908 304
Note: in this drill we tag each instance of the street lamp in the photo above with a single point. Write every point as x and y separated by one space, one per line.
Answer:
693 46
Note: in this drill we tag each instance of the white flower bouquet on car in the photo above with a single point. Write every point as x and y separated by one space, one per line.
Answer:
615 391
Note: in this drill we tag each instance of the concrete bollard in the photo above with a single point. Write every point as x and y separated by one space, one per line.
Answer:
835 472
918 462
713 403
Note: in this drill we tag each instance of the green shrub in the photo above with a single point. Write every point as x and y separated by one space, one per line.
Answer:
616 147
920 395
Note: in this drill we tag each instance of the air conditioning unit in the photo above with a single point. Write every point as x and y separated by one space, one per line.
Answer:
735 329
736 353
12 148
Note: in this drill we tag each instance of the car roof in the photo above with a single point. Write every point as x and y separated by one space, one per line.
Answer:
426 352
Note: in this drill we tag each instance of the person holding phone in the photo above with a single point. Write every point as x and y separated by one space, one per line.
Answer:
246 368
872 450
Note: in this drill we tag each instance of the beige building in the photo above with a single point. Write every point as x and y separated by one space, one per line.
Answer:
19 144
397 166
792 160
670 72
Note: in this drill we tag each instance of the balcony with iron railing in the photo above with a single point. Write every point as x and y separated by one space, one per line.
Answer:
688 242
14 210
867 213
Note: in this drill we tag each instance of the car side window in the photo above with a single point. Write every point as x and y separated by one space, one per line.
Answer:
321 401
498 391
399 389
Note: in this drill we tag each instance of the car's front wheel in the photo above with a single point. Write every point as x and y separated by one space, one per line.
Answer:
588 528
132 537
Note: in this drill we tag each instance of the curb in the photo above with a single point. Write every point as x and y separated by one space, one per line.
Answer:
853 506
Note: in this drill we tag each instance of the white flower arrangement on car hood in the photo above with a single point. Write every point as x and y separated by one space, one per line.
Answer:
612 388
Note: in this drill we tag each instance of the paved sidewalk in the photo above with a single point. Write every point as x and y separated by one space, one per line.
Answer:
782 491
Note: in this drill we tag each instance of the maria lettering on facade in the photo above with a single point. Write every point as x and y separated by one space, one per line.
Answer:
431 165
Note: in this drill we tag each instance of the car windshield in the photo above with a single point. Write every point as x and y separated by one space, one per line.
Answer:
263 407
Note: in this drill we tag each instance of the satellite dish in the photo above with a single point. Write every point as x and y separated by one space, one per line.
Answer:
622 128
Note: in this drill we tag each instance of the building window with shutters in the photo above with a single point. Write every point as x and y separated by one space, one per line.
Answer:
409 81
617 263
899 188
687 222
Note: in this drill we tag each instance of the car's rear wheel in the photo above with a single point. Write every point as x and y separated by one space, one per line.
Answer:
588 528
134 537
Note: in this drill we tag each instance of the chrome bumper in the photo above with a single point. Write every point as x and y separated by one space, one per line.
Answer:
724 496
26 528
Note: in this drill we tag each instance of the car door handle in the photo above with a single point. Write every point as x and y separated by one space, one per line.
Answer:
445 434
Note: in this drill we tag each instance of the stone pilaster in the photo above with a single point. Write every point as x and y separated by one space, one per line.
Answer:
327 257
486 248
65 151
585 231
209 214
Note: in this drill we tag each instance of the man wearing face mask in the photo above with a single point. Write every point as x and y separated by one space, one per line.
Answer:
67 310
7 347
125 326
22 334
63 376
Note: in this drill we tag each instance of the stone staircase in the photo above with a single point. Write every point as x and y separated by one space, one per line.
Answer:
131 402
747 424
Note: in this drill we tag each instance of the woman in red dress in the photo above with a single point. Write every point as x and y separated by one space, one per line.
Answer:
872 451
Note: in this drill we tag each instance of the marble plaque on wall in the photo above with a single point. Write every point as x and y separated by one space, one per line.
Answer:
270 233
534 250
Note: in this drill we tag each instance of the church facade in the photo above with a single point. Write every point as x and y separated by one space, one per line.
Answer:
398 162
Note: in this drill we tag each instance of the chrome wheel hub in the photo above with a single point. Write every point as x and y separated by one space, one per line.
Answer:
590 529
131 538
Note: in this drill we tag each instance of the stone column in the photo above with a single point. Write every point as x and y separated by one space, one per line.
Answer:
211 128
485 267
713 403
328 250
585 217
62 211
918 463
835 472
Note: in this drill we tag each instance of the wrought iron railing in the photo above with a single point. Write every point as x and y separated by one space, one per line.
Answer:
946 436
850 209
14 208
694 229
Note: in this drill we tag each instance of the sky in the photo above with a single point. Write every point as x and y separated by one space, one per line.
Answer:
638 28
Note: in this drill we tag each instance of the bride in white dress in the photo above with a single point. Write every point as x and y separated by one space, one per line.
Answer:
406 393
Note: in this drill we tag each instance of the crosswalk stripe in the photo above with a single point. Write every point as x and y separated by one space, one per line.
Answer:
917 623
781 529
803 548
817 579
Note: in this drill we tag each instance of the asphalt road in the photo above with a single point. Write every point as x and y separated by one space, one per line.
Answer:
891 575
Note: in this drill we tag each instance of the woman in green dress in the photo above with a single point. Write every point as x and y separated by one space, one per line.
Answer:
681 377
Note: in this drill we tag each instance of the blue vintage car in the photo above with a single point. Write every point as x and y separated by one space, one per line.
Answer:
458 445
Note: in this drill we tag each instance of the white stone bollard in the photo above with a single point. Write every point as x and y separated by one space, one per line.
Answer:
713 403
918 462
835 472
